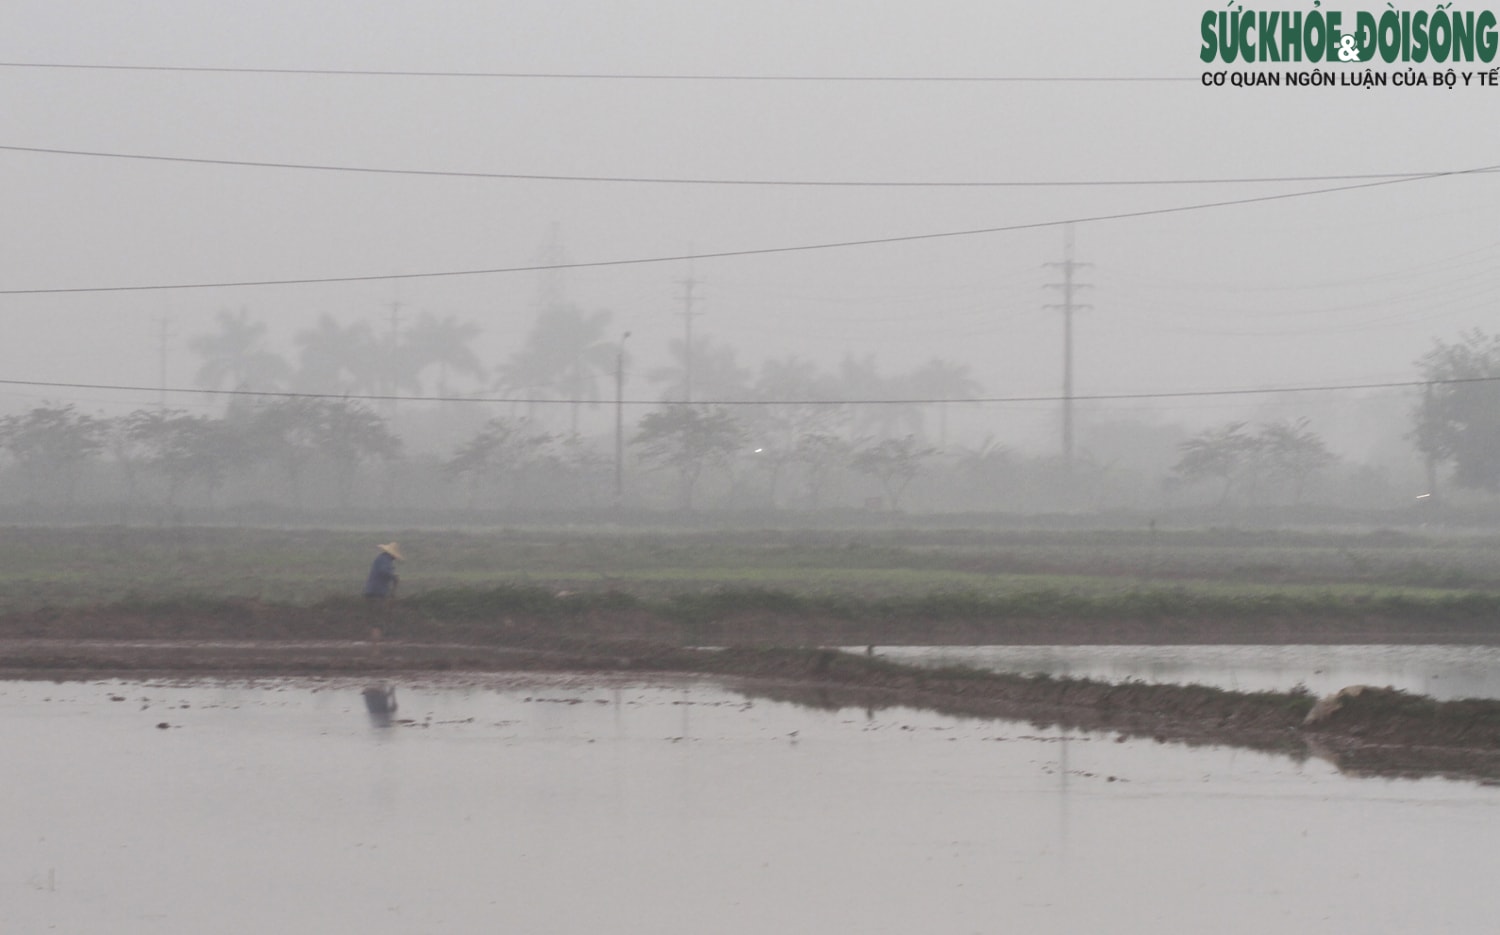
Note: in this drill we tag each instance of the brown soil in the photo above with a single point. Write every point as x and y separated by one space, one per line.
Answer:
1378 732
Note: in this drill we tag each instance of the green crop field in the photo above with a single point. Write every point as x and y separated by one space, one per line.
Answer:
42 567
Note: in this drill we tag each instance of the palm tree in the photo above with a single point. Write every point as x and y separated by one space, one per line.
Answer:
337 359
789 378
717 376
234 356
442 343
564 356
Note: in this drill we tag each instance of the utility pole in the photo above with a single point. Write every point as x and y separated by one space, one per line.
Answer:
620 422
1068 306
688 315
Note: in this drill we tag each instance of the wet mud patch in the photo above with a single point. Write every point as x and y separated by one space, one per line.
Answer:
1377 732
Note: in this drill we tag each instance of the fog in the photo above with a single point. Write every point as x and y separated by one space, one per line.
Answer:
1194 288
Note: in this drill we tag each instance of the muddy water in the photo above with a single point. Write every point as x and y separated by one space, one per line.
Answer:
579 805
1443 672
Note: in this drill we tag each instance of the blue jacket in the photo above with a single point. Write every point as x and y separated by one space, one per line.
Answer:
382 578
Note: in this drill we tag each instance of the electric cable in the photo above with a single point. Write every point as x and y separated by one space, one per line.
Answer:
1077 397
680 180
757 251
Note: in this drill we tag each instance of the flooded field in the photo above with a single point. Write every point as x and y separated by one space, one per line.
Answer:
1442 672
585 804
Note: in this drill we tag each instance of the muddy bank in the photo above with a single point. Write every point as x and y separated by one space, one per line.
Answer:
759 618
1377 732
1382 732
777 655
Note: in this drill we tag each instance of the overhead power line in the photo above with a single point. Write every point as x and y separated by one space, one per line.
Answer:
1096 397
601 76
757 251
681 180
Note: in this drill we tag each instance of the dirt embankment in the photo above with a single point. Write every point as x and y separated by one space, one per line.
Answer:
1376 732
722 622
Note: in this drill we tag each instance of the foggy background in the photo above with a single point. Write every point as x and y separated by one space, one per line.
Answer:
1333 289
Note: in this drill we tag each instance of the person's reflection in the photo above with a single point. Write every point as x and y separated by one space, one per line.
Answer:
380 702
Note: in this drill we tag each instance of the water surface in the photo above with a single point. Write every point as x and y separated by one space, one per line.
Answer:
588 805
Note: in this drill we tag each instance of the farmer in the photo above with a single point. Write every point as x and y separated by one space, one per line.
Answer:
383 578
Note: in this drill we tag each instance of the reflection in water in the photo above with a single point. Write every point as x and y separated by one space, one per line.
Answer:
568 804
380 702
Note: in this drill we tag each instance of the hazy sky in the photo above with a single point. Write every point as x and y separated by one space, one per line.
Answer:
1345 287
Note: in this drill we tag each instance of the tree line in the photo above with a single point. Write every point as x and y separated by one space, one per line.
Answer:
314 451
306 446
569 354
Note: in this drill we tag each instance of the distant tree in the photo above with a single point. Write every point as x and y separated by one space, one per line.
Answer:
584 467
296 432
498 456
285 433
819 455
1223 453
234 356
1293 452
182 449
51 444
787 386
1458 417
394 368
443 344
338 359
861 379
794 392
894 462
716 374
127 450
687 439
564 356
350 433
